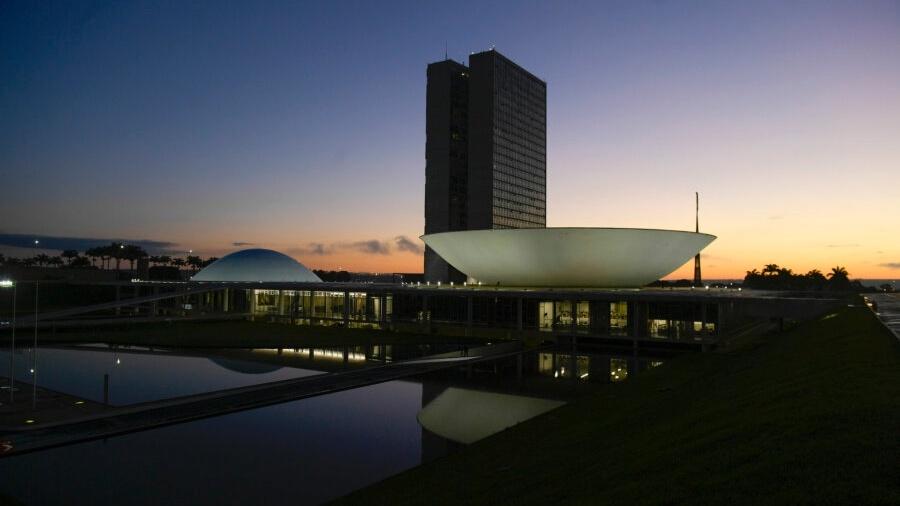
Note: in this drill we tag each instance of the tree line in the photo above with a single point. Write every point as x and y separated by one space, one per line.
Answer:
775 277
105 257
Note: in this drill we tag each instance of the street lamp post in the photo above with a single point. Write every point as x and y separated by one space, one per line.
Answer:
34 351
12 340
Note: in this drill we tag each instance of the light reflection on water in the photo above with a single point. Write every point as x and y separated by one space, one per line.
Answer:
139 376
301 452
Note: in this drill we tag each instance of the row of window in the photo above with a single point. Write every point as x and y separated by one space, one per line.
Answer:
516 175
519 162
518 195
510 205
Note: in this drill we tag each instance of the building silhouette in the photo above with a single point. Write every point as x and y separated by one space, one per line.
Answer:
485 150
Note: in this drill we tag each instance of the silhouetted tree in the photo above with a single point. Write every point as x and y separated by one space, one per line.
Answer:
80 262
69 255
839 278
133 253
194 262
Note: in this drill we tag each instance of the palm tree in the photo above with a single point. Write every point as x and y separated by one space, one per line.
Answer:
41 259
2 259
839 272
165 259
69 255
80 262
133 253
770 269
195 262
839 278
815 274
116 250
179 263
92 253
105 255
56 261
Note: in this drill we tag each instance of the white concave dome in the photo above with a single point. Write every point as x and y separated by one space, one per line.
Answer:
256 265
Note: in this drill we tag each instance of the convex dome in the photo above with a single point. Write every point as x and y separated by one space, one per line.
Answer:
256 265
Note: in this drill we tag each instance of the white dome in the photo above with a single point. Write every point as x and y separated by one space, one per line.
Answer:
254 265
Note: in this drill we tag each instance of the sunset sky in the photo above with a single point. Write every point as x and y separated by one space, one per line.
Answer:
300 126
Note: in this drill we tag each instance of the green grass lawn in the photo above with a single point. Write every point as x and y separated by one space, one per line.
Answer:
808 416
240 334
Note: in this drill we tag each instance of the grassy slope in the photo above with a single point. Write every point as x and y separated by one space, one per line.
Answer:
808 416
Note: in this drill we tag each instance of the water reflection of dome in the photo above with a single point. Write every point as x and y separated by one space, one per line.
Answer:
256 265
244 366
465 416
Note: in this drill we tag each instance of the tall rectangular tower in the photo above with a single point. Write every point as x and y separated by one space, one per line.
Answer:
507 145
446 159
485 150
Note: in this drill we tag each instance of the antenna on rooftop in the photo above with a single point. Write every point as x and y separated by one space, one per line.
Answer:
697 212
698 281
445 51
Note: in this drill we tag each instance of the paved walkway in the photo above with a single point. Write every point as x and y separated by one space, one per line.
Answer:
887 307
120 420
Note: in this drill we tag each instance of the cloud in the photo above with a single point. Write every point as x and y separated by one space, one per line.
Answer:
313 248
370 247
239 244
400 243
404 243
852 245
890 265
79 243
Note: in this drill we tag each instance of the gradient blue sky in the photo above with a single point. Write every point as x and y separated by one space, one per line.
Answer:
300 125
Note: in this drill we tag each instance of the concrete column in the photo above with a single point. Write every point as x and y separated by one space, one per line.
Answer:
703 320
154 306
426 319
573 358
519 317
346 314
633 369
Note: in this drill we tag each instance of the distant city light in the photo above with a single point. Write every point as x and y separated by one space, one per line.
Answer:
6 283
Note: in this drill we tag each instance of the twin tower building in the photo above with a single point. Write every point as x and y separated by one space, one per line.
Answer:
485 150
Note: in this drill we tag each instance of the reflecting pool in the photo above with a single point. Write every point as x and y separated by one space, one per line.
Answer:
301 452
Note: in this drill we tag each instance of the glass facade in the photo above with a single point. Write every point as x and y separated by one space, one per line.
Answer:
618 318
673 321
520 147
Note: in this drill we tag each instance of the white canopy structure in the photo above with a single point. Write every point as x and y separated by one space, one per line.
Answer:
256 265
567 257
